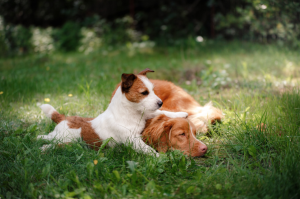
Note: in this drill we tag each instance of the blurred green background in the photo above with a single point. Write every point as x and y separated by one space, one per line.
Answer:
30 26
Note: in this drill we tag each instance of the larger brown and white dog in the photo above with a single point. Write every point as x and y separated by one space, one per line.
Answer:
134 102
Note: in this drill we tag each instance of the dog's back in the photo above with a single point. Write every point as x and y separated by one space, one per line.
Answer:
176 99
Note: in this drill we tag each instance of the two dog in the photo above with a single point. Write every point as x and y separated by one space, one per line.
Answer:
124 120
136 100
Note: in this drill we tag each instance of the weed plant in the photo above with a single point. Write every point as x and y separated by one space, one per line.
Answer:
246 159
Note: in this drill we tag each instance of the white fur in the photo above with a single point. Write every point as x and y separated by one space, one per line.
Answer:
202 117
48 110
62 133
123 120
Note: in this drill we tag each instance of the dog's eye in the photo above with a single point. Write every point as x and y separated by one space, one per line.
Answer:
145 93
182 134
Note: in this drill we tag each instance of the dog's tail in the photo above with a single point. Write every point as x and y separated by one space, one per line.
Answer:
205 115
52 113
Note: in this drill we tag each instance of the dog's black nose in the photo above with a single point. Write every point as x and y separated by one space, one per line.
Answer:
160 103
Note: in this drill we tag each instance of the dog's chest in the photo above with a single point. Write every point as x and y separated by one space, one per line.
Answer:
131 127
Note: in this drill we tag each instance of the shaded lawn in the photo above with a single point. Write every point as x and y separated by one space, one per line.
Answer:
251 83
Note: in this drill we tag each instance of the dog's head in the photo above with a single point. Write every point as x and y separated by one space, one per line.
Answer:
178 133
138 89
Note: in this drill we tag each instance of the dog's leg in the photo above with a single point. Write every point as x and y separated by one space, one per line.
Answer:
168 114
139 145
61 134
50 136
48 146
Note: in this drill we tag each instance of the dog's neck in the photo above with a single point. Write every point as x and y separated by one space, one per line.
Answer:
120 107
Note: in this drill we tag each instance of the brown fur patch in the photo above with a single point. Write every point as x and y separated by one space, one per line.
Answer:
57 118
174 97
156 134
87 132
134 94
216 116
127 82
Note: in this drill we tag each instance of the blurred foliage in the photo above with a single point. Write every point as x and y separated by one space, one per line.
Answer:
136 25
3 46
68 37
171 20
262 21
42 40
15 40
21 39
116 32
90 41
43 13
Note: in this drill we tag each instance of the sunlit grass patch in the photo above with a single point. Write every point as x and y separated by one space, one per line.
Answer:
253 153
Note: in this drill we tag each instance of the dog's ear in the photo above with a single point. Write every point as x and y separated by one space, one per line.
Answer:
157 134
164 143
168 126
144 72
127 82
160 127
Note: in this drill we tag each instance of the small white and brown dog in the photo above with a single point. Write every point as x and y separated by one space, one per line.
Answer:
124 120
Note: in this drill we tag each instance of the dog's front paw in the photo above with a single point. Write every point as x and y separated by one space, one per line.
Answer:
154 153
45 147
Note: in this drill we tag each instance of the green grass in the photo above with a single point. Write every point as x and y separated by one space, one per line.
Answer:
251 83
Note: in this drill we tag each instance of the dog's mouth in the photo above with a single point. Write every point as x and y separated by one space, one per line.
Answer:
198 154
145 110
156 108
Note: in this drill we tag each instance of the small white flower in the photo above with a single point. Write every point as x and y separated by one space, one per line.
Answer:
263 7
199 39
